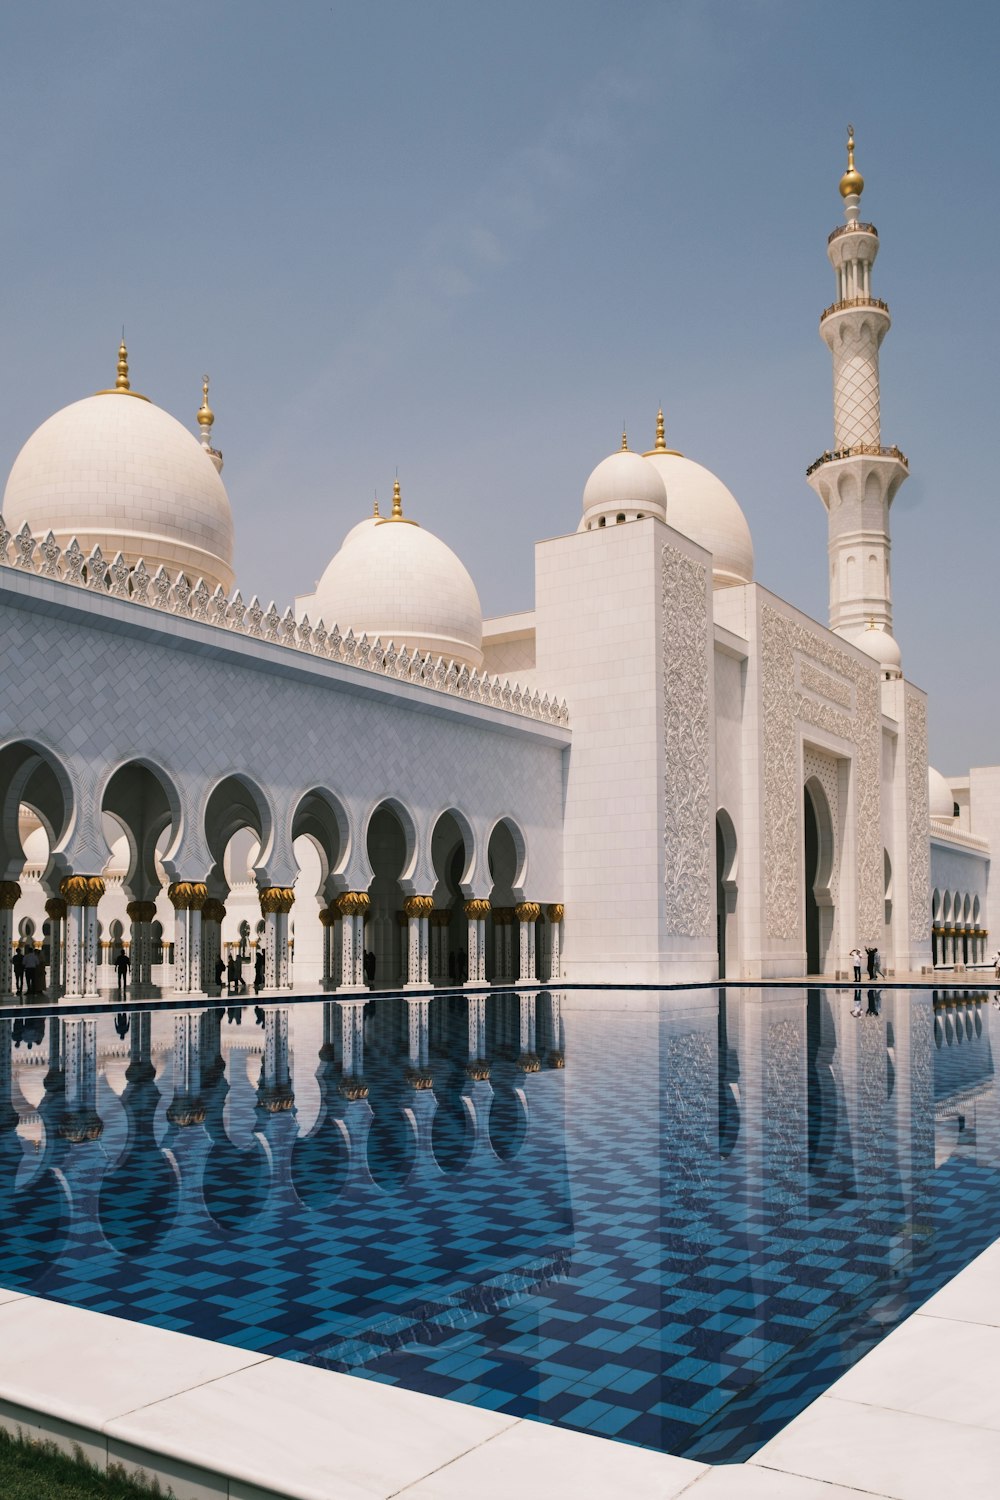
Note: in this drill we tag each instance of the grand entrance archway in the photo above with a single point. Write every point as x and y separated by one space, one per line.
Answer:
818 853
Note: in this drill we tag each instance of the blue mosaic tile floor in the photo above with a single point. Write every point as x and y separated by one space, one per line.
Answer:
670 1219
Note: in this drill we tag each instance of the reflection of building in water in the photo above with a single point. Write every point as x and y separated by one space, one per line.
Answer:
433 797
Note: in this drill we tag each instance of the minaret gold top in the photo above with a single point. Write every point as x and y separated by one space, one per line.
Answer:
122 386
660 446
624 441
122 383
206 416
852 180
397 509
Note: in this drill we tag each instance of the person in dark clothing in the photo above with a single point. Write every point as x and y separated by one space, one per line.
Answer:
122 965
17 964
369 966
258 971
220 970
871 954
231 974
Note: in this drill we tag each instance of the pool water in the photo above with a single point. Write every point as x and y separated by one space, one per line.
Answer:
668 1217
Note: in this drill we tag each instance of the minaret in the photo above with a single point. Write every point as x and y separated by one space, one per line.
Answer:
858 480
206 417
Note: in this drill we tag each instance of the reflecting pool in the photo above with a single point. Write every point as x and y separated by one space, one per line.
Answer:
671 1218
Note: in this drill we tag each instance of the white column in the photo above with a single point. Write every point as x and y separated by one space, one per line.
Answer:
527 913
90 942
195 980
180 893
327 919
476 912
555 915
10 894
418 910
74 949
55 910
352 906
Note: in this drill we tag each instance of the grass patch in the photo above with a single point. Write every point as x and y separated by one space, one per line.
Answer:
41 1471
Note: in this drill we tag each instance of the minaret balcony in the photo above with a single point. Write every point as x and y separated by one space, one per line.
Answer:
855 228
859 450
853 302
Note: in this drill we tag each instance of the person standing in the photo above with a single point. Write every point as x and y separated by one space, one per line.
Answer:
220 971
855 957
258 971
31 969
17 964
871 955
122 965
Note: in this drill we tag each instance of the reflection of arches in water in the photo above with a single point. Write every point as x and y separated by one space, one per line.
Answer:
729 1086
234 1183
453 1130
137 1201
821 1087
34 1228
508 1120
392 1143
321 1162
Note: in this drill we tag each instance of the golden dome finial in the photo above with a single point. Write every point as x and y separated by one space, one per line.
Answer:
397 501
375 511
660 446
122 382
206 416
852 180
624 439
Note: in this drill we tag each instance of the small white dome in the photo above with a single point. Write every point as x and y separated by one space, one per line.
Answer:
876 641
942 800
703 509
622 485
394 580
117 472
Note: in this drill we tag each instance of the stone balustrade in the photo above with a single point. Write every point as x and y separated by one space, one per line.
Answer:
196 602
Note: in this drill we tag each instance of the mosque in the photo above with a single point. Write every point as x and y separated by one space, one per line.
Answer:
661 772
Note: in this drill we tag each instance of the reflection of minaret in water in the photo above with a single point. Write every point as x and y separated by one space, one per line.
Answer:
858 479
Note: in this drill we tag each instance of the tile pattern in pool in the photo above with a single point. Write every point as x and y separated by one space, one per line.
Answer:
671 1219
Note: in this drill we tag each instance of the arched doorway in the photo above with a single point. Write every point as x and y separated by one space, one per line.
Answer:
725 893
818 845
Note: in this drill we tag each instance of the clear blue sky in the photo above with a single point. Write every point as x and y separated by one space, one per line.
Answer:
468 240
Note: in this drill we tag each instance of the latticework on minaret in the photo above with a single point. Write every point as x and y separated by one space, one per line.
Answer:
858 478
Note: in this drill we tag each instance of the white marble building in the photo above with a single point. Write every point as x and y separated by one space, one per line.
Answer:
662 772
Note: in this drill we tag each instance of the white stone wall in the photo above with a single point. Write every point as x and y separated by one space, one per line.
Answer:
112 682
624 629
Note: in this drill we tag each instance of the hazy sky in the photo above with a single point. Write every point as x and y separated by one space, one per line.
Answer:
469 239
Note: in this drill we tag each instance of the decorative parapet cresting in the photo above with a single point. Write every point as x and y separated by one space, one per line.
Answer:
177 596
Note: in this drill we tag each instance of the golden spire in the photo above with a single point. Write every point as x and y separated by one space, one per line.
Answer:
397 508
624 439
122 387
852 180
375 511
122 384
206 416
660 446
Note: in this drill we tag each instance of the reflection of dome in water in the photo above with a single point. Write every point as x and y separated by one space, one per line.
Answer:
394 580
117 472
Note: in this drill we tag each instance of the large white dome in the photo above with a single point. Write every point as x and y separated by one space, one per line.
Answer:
623 487
941 796
394 580
117 472
702 508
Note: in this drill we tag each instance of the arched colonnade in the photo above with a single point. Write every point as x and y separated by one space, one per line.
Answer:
958 939
373 897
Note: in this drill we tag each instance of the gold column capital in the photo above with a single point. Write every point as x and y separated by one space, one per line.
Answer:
276 898
527 911
179 894
503 916
10 894
55 909
213 911
555 912
352 903
418 906
477 908
141 911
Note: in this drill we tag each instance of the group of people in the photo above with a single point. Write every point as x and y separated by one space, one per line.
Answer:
874 961
231 970
29 970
